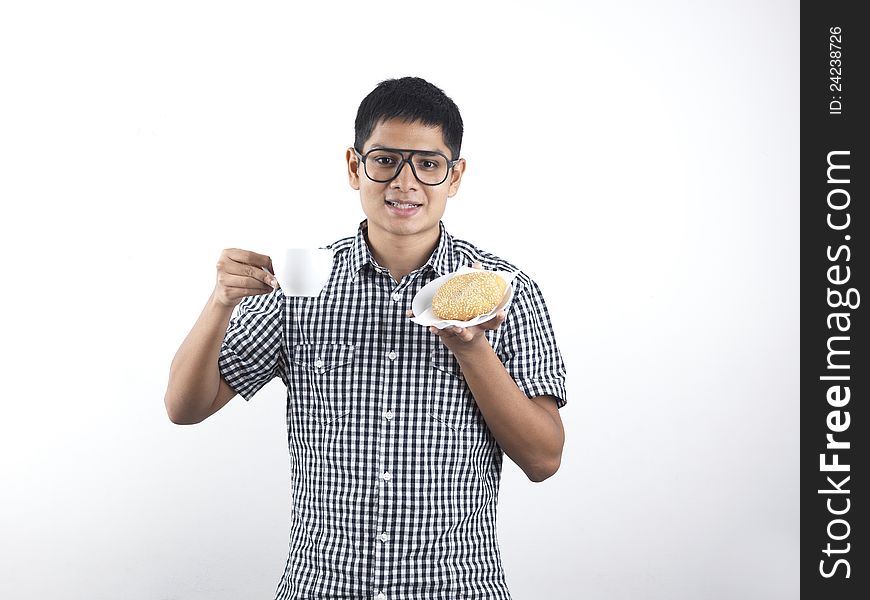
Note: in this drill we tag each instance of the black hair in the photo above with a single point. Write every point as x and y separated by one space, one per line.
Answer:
410 99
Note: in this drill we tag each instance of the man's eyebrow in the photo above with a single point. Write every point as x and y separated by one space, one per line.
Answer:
382 147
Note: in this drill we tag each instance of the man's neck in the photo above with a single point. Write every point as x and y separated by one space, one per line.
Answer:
401 254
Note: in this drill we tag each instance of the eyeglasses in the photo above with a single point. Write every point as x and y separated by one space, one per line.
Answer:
384 164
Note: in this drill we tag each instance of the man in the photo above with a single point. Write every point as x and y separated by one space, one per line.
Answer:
395 431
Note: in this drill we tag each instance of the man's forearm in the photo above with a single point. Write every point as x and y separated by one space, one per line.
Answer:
525 430
194 377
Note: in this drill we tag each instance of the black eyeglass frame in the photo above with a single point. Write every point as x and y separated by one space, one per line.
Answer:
411 153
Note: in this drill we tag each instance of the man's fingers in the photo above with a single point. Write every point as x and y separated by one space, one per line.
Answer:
462 333
248 258
242 273
232 263
476 265
243 281
494 322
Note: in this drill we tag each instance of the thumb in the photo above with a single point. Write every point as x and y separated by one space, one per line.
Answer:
476 265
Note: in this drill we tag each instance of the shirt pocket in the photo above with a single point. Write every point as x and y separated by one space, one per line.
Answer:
450 401
323 380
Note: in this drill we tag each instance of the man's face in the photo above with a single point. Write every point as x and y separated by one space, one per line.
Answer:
386 205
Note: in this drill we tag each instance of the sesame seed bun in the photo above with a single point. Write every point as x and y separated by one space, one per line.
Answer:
467 296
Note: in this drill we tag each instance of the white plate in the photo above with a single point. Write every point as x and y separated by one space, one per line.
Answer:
422 303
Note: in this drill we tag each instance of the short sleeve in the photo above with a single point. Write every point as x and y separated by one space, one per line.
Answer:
527 347
251 352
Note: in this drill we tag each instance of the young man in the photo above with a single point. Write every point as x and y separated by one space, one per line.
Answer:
395 431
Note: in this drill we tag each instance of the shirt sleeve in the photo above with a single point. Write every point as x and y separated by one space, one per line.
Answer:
528 345
251 353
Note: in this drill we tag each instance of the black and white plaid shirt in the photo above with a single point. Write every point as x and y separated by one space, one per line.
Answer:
395 475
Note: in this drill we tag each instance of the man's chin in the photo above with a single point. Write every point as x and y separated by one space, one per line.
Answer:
405 227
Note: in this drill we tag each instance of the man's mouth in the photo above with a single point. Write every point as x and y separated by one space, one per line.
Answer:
402 205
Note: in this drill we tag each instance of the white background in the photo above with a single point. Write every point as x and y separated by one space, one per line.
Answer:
639 160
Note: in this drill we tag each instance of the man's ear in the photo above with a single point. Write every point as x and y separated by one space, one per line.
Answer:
353 167
456 177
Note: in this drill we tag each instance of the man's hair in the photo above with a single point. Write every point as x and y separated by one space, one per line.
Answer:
413 100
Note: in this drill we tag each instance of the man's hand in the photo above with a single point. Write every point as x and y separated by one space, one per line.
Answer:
462 339
240 273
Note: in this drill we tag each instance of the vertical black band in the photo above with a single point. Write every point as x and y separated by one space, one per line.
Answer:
835 299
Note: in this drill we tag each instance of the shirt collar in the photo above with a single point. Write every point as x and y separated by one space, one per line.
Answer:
359 252
442 260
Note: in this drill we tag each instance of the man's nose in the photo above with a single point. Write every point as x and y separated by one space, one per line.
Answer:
405 180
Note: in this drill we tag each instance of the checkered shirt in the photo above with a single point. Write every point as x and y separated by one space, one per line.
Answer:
394 473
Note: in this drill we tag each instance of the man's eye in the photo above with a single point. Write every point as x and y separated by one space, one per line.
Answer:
427 164
385 161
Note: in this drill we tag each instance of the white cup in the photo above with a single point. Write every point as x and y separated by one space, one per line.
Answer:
302 271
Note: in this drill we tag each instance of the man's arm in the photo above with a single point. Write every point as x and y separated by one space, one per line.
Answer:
196 389
529 430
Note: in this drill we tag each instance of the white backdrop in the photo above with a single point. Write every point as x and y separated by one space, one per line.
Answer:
639 160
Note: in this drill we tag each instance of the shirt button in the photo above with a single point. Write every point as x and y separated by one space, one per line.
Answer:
387 476
392 355
396 296
318 363
383 537
388 415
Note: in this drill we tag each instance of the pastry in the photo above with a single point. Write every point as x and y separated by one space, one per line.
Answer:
467 296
